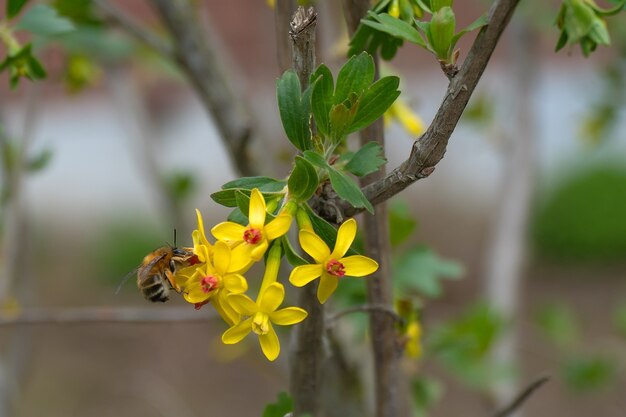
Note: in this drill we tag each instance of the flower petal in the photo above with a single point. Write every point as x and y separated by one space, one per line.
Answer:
257 251
328 285
257 209
270 344
288 316
235 283
277 227
226 311
272 297
345 237
194 294
236 333
243 304
314 246
221 257
359 265
303 274
201 235
228 231
240 259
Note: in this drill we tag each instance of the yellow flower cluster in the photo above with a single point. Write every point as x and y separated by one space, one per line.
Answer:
218 277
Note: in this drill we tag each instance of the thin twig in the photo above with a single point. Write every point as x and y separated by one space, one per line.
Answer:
200 62
430 148
103 315
363 309
307 355
133 28
522 397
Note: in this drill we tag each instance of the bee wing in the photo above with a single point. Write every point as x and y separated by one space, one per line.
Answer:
139 270
125 280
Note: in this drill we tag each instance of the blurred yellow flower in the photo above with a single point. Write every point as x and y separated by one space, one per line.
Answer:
409 120
414 339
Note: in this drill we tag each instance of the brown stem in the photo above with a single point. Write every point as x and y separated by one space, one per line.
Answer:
430 148
307 353
199 61
379 286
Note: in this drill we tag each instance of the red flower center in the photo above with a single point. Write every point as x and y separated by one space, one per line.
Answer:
336 268
193 260
252 236
209 283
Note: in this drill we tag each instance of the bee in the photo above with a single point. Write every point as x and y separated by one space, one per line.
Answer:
155 275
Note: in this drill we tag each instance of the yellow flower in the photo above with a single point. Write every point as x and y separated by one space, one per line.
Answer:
215 280
200 241
261 315
330 266
413 337
409 120
253 239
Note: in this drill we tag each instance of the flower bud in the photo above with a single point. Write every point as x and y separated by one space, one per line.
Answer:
441 32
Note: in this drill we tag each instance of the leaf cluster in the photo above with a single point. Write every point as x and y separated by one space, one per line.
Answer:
438 35
333 109
582 22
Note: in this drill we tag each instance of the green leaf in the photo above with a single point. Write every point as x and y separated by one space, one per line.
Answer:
340 120
322 98
23 64
374 102
237 216
303 180
394 27
558 324
14 7
243 202
476 24
262 183
366 160
367 39
316 159
354 77
401 222
282 406
322 228
292 256
349 190
225 198
295 110
421 270
44 21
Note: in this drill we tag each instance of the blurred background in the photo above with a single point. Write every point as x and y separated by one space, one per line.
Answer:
514 248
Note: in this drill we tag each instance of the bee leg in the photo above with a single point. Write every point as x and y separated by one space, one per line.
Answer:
172 280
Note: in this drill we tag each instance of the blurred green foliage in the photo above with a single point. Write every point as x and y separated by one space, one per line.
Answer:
584 217
587 373
464 343
282 406
425 392
558 324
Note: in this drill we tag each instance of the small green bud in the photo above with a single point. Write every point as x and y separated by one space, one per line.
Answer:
441 32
